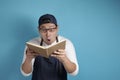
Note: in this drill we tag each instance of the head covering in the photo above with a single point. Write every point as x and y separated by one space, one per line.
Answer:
47 18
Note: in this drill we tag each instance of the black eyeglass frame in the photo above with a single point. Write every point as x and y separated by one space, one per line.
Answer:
49 29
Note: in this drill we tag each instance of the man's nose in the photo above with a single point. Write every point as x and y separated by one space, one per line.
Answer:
47 33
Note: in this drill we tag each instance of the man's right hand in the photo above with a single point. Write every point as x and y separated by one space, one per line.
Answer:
30 54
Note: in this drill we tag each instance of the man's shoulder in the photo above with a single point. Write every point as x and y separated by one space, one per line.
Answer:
35 40
69 44
64 38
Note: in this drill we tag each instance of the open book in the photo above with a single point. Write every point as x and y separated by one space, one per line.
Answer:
46 51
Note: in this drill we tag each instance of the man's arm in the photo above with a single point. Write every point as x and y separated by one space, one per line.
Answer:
68 58
27 65
69 66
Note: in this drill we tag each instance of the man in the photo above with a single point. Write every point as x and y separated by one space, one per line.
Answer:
59 63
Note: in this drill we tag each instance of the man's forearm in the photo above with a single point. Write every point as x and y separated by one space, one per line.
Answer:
69 66
27 66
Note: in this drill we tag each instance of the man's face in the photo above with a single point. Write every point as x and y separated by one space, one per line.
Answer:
48 32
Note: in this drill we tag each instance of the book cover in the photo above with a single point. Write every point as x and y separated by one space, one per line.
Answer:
46 51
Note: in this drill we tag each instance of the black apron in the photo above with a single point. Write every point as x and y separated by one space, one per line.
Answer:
48 68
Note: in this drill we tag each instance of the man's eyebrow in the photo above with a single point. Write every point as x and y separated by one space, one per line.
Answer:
48 27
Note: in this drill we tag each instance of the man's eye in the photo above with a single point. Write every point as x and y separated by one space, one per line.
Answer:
51 29
43 29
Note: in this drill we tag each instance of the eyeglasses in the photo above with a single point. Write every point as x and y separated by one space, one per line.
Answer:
43 30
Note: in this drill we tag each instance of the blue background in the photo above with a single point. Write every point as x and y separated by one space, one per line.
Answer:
92 25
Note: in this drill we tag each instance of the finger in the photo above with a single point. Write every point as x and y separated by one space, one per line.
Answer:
61 50
56 53
30 53
31 50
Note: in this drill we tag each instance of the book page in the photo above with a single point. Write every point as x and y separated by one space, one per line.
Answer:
46 51
59 45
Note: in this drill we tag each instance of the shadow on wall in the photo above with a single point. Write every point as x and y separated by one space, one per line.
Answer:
21 29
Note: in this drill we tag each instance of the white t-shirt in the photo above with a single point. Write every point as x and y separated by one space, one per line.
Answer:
70 53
